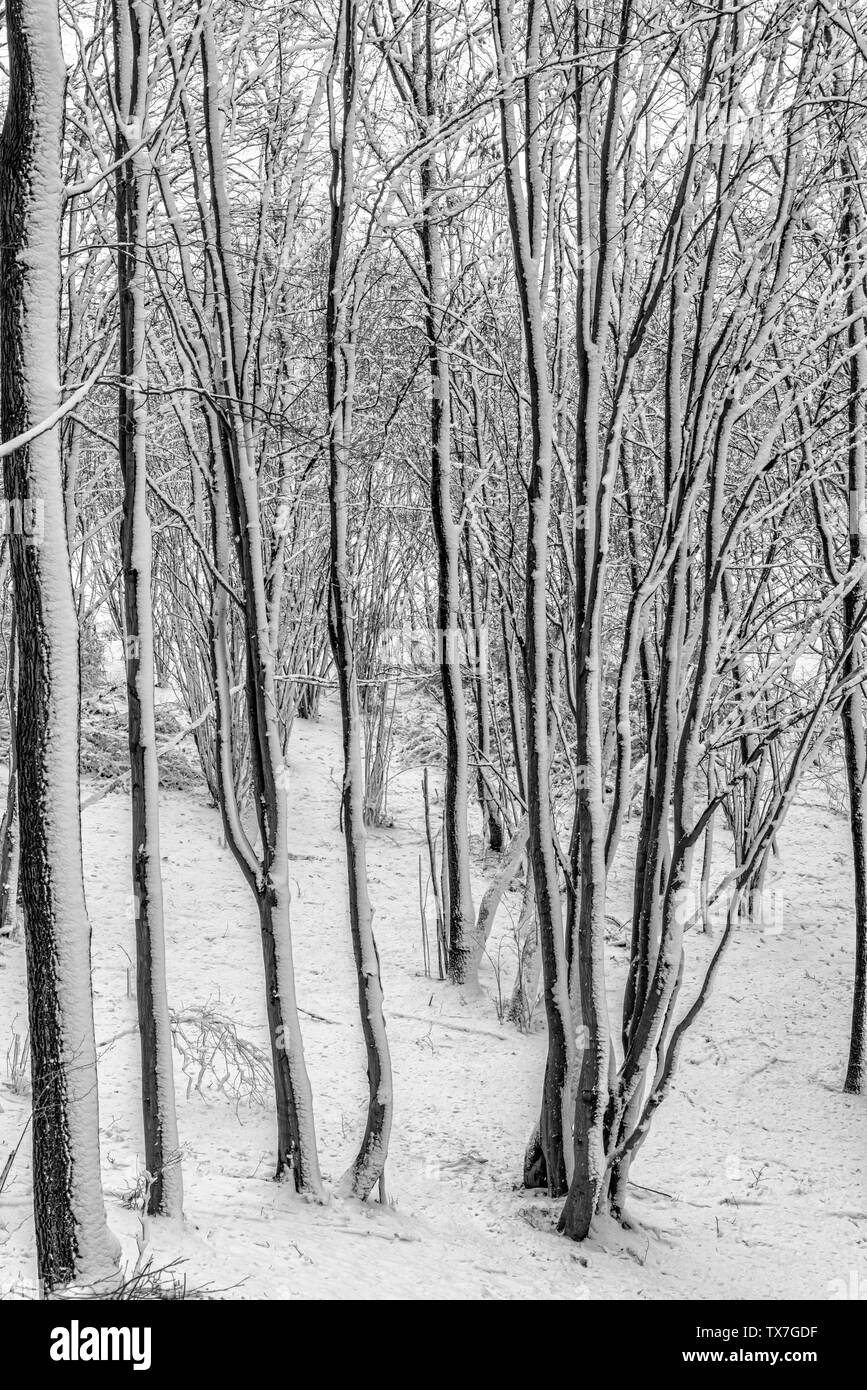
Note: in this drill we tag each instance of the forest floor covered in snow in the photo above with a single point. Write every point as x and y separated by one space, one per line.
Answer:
753 1181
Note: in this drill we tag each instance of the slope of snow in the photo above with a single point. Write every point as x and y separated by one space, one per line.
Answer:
753 1182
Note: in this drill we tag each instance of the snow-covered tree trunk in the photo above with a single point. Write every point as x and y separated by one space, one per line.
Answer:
547 1161
368 1167
854 713
446 528
597 189
72 1236
131 29
268 872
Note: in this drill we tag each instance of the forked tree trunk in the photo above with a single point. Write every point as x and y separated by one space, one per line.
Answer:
131 30
236 482
546 1160
594 478
72 1237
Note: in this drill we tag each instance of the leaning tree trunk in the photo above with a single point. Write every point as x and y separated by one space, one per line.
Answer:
526 987
854 715
72 1237
368 1167
131 26
237 483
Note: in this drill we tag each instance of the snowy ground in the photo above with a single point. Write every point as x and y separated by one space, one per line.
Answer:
753 1181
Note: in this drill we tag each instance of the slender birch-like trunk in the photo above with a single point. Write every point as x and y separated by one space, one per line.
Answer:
446 529
854 713
131 27
368 1167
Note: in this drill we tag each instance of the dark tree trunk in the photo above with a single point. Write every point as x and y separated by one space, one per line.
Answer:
854 715
368 1167
446 530
162 1156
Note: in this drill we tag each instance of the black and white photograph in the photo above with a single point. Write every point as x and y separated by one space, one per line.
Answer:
433 665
